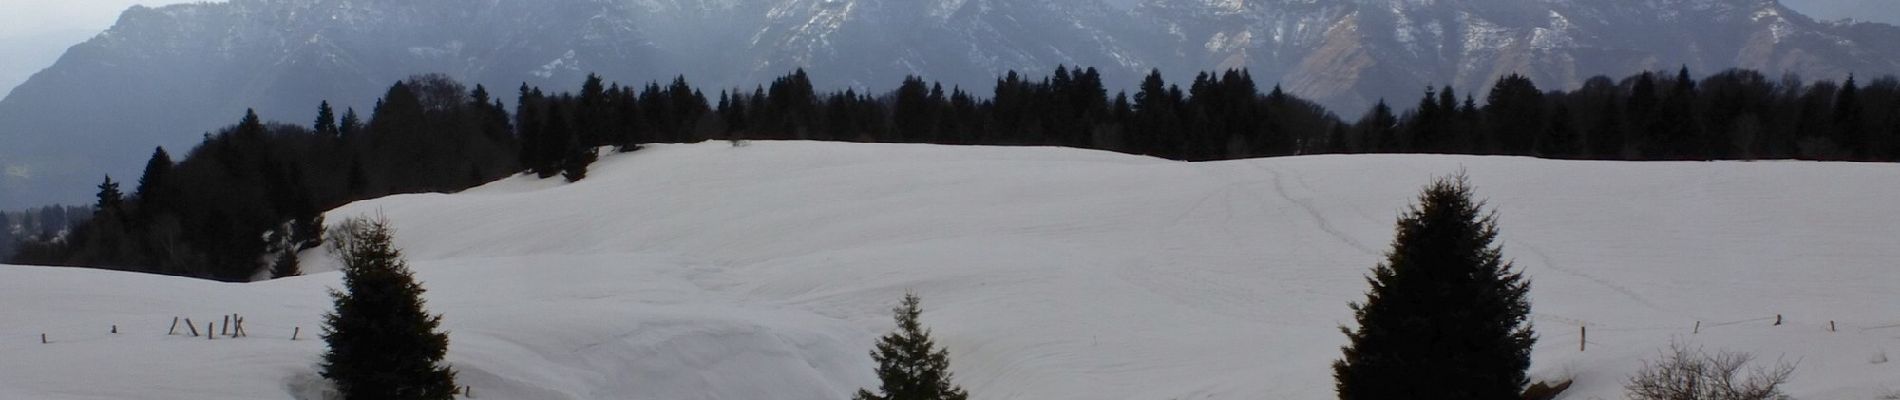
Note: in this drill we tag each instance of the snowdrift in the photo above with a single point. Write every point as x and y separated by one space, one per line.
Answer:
708 271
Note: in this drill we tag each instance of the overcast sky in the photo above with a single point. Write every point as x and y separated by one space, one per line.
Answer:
38 16
24 17
34 32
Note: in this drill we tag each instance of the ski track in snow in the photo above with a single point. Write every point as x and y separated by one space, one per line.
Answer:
1552 264
1279 189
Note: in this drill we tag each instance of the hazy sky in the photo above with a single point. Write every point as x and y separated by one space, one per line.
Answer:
23 17
34 32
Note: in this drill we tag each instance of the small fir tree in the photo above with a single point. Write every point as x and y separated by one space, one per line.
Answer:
350 125
286 265
574 166
383 344
325 126
110 199
908 362
1446 316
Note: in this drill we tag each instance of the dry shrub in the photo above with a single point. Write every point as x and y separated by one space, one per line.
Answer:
1691 374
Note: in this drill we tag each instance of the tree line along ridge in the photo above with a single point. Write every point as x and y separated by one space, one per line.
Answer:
248 194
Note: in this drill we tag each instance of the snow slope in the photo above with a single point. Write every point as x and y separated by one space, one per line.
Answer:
764 272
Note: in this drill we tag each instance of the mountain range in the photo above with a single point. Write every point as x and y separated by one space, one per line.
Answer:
162 76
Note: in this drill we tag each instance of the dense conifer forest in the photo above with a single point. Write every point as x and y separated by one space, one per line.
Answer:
232 207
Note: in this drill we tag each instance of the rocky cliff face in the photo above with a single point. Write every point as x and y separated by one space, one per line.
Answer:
161 76
1348 54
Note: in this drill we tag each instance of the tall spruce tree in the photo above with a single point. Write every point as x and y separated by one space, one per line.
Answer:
325 125
909 364
1849 121
1514 116
1682 131
383 344
152 193
111 200
1378 129
1446 316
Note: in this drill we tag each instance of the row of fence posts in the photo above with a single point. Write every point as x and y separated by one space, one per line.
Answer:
233 327
1583 332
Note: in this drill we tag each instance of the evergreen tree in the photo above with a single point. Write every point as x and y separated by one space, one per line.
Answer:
911 111
1156 121
111 201
560 148
1446 317
1606 130
1428 122
383 344
151 194
286 265
1644 120
1680 133
1336 140
1849 121
591 122
326 121
7 241
1514 116
1378 129
574 166
296 202
528 124
1560 136
908 362
351 124
358 183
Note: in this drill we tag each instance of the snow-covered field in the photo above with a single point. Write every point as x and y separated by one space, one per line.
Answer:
765 272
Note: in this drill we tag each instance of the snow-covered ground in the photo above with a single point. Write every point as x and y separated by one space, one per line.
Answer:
765 272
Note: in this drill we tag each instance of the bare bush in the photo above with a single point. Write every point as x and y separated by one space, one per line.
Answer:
1691 374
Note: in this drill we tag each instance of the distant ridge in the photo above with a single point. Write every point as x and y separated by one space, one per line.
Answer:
163 75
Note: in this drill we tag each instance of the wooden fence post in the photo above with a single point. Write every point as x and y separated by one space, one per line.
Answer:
174 329
1698 328
1583 338
194 327
42 338
115 329
208 329
1830 326
294 331
227 325
1777 319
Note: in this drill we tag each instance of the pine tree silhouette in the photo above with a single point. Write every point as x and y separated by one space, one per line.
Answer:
286 265
383 344
908 362
111 201
1446 316
325 126
152 195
